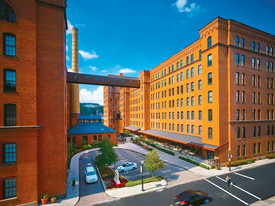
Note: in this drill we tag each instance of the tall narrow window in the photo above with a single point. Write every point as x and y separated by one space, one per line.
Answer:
237 59
200 100
244 133
209 58
199 85
253 46
258 47
259 147
192 72
243 151
254 131
242 78
236 41
6 12
199 69
253 63
187 60
266 50
200 115
209 78
238 133
242 60
181 63
238 151
209 96
9 44
237 96
271 51
242 42
9 115
200 130
200 54
9 80
210 115
258 64
210 133
267 66
237 78
192 58
209 41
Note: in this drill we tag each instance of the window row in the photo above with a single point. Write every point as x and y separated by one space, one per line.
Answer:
254 46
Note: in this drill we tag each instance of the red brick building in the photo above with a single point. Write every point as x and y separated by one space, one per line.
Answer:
33 102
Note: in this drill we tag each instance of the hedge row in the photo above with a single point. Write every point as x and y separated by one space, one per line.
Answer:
147 180
242 162
270 156
157 147
194 162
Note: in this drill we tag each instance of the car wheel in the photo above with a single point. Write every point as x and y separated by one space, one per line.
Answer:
206 201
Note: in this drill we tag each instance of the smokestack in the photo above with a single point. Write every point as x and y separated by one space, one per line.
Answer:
75 87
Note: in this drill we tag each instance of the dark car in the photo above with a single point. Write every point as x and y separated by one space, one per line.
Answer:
192 197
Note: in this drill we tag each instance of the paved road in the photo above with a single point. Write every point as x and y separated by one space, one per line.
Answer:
245 192
130 156
90 193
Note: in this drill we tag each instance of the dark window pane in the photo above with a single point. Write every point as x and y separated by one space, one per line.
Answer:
9 115
9 80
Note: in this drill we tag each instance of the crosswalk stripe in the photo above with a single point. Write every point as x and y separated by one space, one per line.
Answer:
226 192
241 189
244 176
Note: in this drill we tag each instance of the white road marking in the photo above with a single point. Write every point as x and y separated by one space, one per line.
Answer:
241 189
244 176
226 192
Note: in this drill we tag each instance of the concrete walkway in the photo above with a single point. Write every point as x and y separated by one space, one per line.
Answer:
191 173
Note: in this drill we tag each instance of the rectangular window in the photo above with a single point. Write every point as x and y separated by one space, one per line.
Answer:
253 63
200 100
193 129
243 151
9 44
259 148
9 115
259 131
254 131
192 115
209 96
238 133
244 133
242 60
210 134
209 78
192 72
200 130
199 85
238 151
209 60
199 69
187 74
9 153
200 115
237 59
188 129
254 148
9 188
9 80
238 114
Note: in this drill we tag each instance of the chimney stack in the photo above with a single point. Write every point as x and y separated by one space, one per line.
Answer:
75 87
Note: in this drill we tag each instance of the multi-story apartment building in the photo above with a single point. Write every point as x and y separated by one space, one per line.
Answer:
215 95
32 100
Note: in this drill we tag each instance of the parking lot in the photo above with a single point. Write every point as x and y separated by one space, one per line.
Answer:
131 156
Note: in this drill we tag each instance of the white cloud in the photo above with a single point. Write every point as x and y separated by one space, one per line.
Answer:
104 71
80 25
67 58
67 48
93 68
182 7
126 71
69 68
88 55
70 27
95 96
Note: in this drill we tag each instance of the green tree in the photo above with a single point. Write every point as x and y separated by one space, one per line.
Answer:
152 162
71 151
108 155
127 133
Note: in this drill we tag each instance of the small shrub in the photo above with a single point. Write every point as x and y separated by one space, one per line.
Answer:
270 156
204 166
150 149
106 172
238 163
88 146
249 161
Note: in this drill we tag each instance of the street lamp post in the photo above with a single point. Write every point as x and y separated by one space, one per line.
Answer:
229 159
141 170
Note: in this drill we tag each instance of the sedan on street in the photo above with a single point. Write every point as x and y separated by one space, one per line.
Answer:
127 166
192 197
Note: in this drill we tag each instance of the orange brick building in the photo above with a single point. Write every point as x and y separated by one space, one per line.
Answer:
215 95
33 101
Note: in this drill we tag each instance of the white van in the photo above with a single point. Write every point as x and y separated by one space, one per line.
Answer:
91 176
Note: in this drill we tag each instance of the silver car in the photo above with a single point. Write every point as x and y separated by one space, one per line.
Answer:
127 166
90 174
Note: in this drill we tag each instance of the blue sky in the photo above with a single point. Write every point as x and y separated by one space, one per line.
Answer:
129 36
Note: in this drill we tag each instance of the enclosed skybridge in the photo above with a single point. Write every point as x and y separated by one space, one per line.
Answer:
111 80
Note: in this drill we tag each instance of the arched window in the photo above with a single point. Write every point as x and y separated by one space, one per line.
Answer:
6 12
237 41
253 46
209 41
242 42
258 47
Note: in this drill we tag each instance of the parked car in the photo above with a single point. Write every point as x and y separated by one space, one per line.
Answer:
192 197
90 175
127 166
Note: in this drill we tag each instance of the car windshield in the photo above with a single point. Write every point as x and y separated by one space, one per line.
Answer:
124 165
91 173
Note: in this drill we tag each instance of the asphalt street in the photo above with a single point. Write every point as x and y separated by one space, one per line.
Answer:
130 156
250 185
